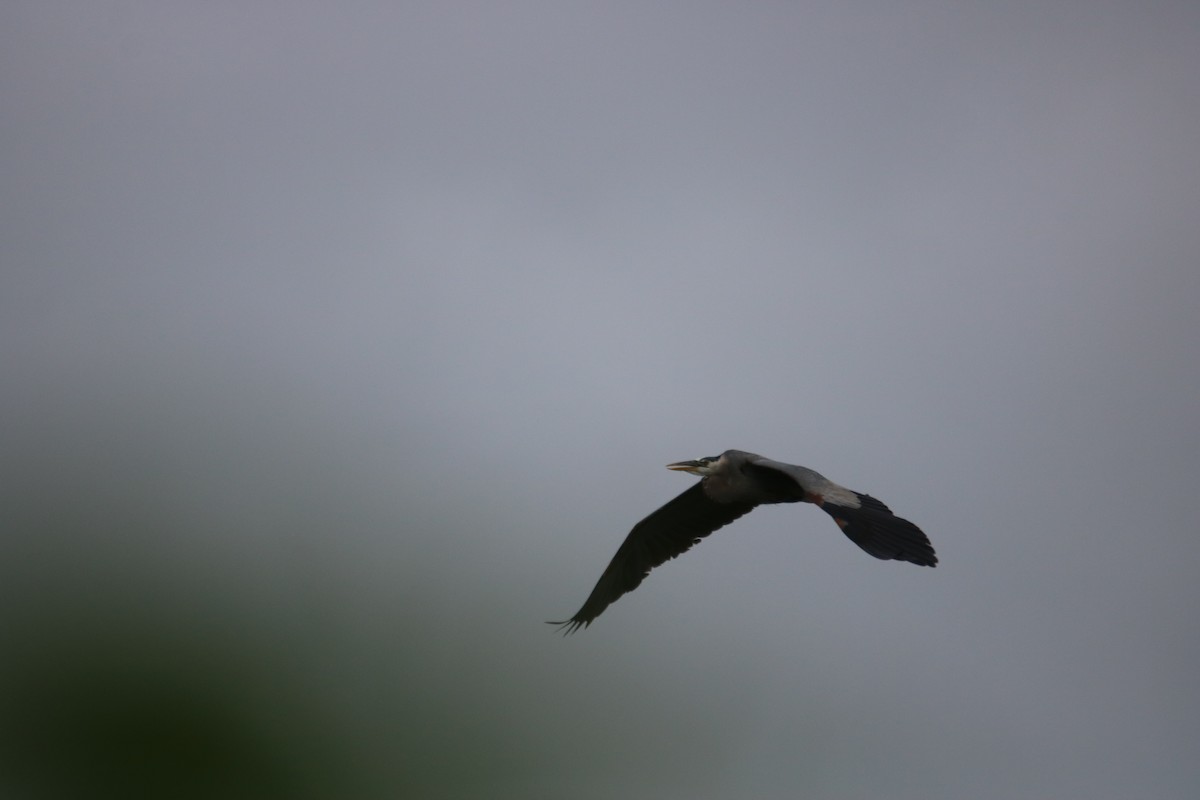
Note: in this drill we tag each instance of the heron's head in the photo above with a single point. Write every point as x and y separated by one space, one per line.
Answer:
701 466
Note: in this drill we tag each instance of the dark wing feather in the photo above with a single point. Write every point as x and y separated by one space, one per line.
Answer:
665 534
873 527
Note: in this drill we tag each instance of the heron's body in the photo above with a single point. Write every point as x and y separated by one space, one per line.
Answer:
732 484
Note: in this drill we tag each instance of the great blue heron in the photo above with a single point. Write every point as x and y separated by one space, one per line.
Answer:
733 484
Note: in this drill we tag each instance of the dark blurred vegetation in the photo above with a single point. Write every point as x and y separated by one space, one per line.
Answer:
206 614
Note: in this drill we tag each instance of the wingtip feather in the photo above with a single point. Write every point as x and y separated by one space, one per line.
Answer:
568 626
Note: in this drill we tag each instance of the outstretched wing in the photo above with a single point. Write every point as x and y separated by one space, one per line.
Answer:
866 521
668 532
873 527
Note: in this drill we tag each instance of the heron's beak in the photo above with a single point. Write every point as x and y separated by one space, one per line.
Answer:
694 467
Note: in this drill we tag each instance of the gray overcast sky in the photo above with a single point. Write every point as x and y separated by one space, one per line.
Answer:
355 338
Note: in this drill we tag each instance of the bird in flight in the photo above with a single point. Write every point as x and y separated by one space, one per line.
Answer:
731 485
